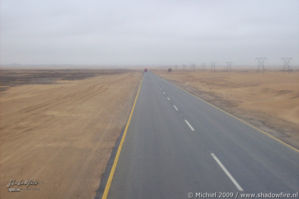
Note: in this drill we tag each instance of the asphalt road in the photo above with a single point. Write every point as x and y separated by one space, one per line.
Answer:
177 144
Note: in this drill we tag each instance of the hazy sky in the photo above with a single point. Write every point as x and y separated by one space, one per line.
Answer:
155 32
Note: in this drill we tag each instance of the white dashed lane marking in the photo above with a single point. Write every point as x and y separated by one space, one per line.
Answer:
190 126
227 172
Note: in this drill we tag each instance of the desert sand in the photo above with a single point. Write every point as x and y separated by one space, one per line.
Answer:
61 135
268 100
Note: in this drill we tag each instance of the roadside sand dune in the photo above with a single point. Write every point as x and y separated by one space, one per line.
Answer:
62 134
269 100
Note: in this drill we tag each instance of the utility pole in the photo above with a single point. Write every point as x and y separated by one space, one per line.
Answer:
286 63
213 66
229 65
193 67
261 63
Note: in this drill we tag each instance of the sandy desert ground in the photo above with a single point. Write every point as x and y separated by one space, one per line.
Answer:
60 132
268 100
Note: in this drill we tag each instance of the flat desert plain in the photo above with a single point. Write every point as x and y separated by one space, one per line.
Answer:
268 100
58 128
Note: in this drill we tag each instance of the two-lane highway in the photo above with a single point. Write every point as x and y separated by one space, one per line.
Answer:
177 144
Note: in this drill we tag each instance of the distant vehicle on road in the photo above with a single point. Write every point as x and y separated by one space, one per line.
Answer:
145 70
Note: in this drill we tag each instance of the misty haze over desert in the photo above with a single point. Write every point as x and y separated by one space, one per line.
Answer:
124 33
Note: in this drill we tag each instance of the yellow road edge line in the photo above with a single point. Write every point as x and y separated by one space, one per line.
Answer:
241 120
112 171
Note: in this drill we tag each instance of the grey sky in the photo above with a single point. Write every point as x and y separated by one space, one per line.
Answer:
148 31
